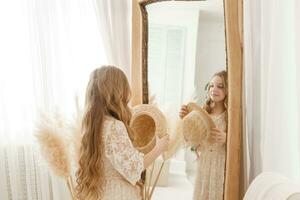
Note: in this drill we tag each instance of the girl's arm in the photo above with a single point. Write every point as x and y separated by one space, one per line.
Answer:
160 147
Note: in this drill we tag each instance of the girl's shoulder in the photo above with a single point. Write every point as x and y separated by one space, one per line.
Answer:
113 126
108 118
111 121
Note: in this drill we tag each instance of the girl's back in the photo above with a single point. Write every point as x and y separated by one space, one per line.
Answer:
123 164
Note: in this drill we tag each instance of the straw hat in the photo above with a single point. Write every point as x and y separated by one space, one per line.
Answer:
196 125
147 122
176 140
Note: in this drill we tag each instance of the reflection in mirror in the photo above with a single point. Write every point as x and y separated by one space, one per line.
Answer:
186 46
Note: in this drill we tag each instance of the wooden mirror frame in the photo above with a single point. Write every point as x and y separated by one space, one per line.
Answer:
233 12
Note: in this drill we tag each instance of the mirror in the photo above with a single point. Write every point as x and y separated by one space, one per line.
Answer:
184 46
233 12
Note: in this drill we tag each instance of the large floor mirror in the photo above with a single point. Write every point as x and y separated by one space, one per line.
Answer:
177 48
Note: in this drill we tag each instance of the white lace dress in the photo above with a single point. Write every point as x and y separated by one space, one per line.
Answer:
123 164
209 181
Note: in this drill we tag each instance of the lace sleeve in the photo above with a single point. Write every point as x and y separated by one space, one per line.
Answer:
128 161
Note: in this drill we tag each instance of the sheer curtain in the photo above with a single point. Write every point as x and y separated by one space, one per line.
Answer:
114 19
271 88
48 49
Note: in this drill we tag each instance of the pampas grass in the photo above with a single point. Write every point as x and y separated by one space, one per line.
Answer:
176 141
54 147
174 127
174 130
54 152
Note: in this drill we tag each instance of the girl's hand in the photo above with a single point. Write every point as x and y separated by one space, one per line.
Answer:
183 111
218 136
162 143
161 146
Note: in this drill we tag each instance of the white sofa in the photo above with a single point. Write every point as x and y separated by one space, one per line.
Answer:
272 186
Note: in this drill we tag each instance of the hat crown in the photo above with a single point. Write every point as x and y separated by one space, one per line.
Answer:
196 125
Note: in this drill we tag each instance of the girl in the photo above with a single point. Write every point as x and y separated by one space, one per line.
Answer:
109 165
211 158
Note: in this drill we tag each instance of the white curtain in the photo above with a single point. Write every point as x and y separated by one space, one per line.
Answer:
271 88
114 18
48 49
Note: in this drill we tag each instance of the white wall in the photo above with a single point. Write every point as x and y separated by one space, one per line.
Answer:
186 17
181 16
211 54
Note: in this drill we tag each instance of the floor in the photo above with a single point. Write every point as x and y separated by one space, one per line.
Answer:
179 188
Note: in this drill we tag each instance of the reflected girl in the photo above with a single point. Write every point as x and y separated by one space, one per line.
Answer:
209 181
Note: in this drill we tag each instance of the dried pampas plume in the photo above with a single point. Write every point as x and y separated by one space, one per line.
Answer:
54 149
176 141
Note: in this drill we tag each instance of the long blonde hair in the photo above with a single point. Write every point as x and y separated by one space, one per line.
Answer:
107 93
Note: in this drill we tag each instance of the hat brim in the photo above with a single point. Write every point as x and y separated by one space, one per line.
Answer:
160 128
155 114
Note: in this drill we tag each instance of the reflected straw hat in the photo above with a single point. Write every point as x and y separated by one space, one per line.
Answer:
196 125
